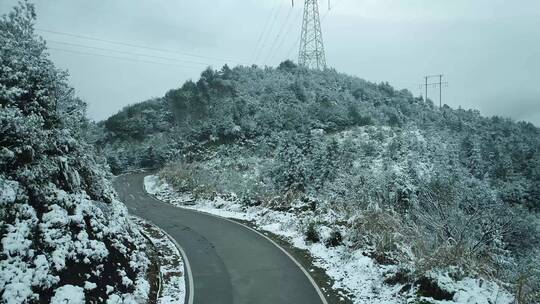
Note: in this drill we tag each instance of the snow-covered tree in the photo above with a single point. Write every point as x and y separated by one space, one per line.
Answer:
60 223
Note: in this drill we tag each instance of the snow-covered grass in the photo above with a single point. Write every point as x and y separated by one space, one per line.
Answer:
351 269
471 290
171 265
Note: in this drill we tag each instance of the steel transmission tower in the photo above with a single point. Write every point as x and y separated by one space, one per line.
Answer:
311 53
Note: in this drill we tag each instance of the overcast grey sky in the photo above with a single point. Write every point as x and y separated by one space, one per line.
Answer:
489 50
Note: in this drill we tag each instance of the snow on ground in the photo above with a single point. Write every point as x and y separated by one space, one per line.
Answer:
350 269
473 291
171 268
68 294
23 272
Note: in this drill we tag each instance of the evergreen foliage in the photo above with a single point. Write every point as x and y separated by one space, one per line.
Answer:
60 223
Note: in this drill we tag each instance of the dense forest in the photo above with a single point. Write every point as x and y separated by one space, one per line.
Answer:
64 235
416 185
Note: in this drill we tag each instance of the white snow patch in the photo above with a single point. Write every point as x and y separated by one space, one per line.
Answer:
68 294
472 291
8 191
89 285
153 184
173 289
24 270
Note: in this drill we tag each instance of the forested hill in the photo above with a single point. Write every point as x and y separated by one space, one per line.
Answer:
246 103
390 174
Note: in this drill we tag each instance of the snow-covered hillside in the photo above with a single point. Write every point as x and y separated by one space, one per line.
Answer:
351 268
64 236
421 187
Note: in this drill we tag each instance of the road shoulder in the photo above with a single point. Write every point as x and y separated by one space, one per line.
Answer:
171 273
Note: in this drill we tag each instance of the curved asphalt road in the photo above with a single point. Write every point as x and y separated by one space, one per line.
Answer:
230 263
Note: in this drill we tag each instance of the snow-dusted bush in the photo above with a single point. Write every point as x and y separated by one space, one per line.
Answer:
234 173
527 278
64 235
462 222
312 235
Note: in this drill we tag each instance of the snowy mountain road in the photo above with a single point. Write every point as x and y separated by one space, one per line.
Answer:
230 263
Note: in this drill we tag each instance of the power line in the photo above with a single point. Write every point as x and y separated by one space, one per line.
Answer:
338 2
269 32
123 58
263 31
126 52
136 45
290 27
281 30
294 46
434 84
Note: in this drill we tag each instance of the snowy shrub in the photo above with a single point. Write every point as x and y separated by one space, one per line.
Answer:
231 175
335 239
181 176
291 169
380 231
527 278
312 235
306 163
460 228
68 294
61 226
